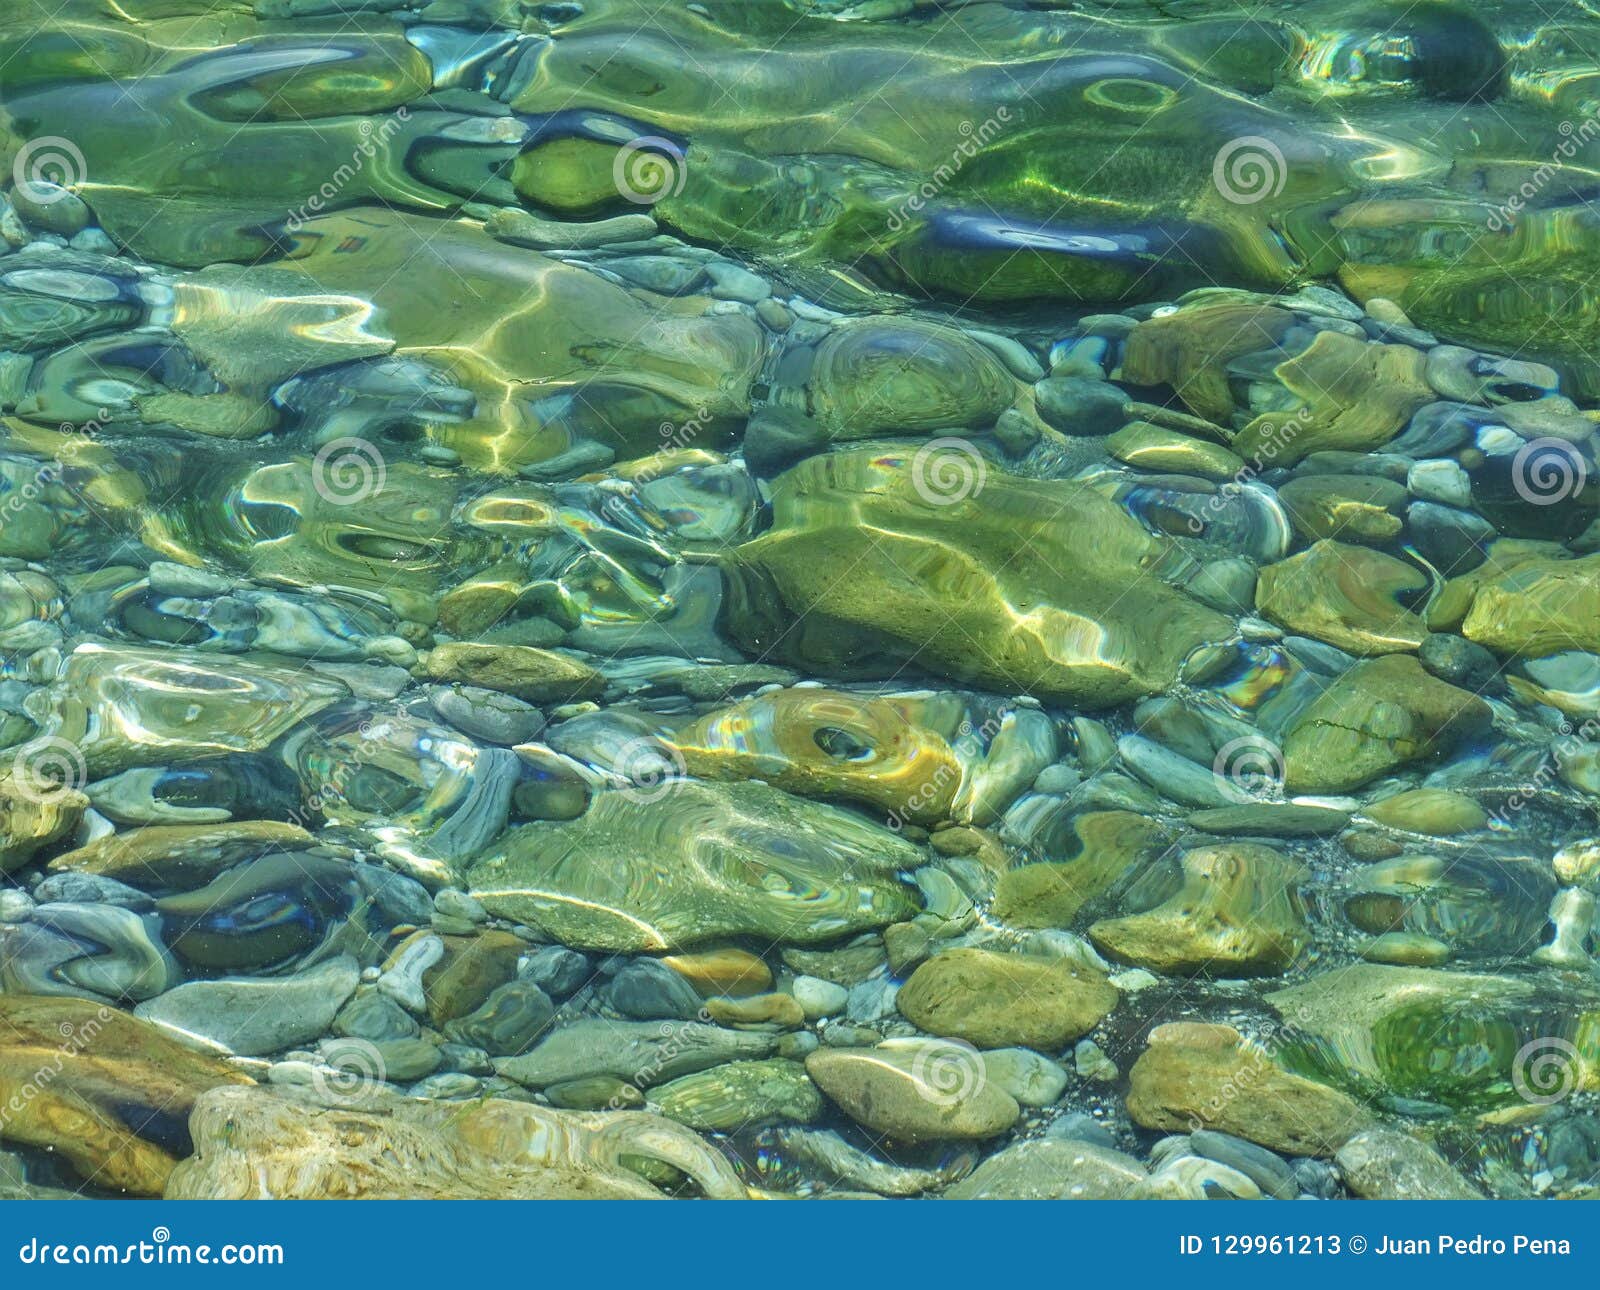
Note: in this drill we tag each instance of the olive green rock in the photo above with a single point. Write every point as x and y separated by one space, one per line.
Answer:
1531 606
1345 595
1101 851
1003 1000
535 675
1352 508
1238 913
878 560
1195 1076
34 816
741 1095
1459 1040
1436 812
1378 715
926 1095
695 863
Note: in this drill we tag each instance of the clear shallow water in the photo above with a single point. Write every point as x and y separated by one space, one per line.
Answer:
912 599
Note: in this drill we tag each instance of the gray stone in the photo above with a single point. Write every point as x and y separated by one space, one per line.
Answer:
253 1016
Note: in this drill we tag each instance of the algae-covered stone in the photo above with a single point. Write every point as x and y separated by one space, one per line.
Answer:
1102 850
1352 508
1532 606
1271 820
1238 913
998 1000
33 816
103 1090
180 855
1450 1039
741 1095
1042 586
1380 714
1345 595
925 1094
533 675
1147 447
1196 1076
251 1143
698 863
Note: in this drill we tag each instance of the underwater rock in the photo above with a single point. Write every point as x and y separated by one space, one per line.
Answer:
259 914
533 675
1351 508
684 863
741 1095
180 704
1197 1076
1051 1169
180 855
1412 1036
281 1144
639 1052
1105 851
120 1088
252 1016
1389 1164
1380 714
1473 904
999 1000
1527 605
1014 584
96 951
34 815
927 1093
1347 596
1238 913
